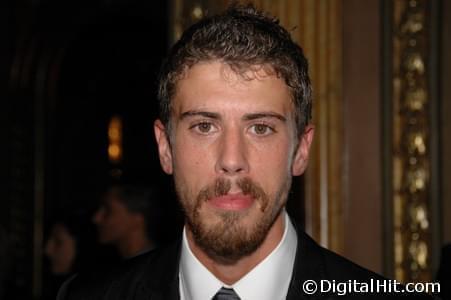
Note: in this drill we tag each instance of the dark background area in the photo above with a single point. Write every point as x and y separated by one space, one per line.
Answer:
66 67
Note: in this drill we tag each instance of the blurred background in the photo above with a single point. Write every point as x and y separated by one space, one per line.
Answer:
78 100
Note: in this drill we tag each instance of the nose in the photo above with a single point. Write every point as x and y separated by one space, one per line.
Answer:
232 159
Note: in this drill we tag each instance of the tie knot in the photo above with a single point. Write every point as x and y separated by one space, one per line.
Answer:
226 294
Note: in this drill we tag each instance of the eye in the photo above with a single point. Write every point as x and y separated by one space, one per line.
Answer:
203 127
262 129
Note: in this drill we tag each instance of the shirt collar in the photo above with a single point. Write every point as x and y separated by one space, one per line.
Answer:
268 280
196 282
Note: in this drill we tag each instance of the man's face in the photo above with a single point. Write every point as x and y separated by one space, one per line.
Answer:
114 221
233 149
61 250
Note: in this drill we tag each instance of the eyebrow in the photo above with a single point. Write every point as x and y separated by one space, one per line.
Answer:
247 117
206 114
263 115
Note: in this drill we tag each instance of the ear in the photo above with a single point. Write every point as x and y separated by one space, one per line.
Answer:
301 156
164 147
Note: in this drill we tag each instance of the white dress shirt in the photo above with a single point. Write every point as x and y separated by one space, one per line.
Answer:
268 280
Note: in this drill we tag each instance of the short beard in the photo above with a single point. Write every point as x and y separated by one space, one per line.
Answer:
228 241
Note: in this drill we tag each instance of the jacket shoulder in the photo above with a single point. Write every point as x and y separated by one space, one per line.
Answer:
329 269
321 263
127 280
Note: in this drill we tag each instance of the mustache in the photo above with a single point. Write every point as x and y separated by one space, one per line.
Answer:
222 186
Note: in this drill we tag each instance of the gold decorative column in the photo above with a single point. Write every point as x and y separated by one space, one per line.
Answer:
411 164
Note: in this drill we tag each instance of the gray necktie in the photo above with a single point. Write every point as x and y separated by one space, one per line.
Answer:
226 294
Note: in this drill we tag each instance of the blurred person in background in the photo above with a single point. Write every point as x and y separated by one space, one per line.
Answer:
61 249
67 248
128 219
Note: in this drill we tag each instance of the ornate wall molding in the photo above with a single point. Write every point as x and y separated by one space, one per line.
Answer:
413 196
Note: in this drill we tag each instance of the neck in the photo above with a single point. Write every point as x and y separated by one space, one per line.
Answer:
231 273
133 244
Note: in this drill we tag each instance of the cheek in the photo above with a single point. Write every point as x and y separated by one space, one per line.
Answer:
111 223
272 168
68 250
192 163
273 159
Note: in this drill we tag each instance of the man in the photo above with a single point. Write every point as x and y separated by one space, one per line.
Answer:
122 219
235 106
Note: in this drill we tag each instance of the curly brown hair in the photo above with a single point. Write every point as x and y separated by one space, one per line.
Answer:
243 38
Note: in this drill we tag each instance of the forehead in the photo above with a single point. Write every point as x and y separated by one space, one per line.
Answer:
208 84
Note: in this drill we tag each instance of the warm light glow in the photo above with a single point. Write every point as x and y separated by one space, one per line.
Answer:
114 151
197 12
115 139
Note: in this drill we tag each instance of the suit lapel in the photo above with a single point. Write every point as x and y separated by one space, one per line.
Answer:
161 280
309 265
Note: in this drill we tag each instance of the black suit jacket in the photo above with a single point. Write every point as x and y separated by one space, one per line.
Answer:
154 276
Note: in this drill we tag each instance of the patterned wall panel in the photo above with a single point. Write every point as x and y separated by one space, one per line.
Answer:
414 197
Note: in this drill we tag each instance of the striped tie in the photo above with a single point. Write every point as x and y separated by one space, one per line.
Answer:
226 294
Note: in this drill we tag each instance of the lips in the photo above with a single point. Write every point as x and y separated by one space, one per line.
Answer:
232 202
